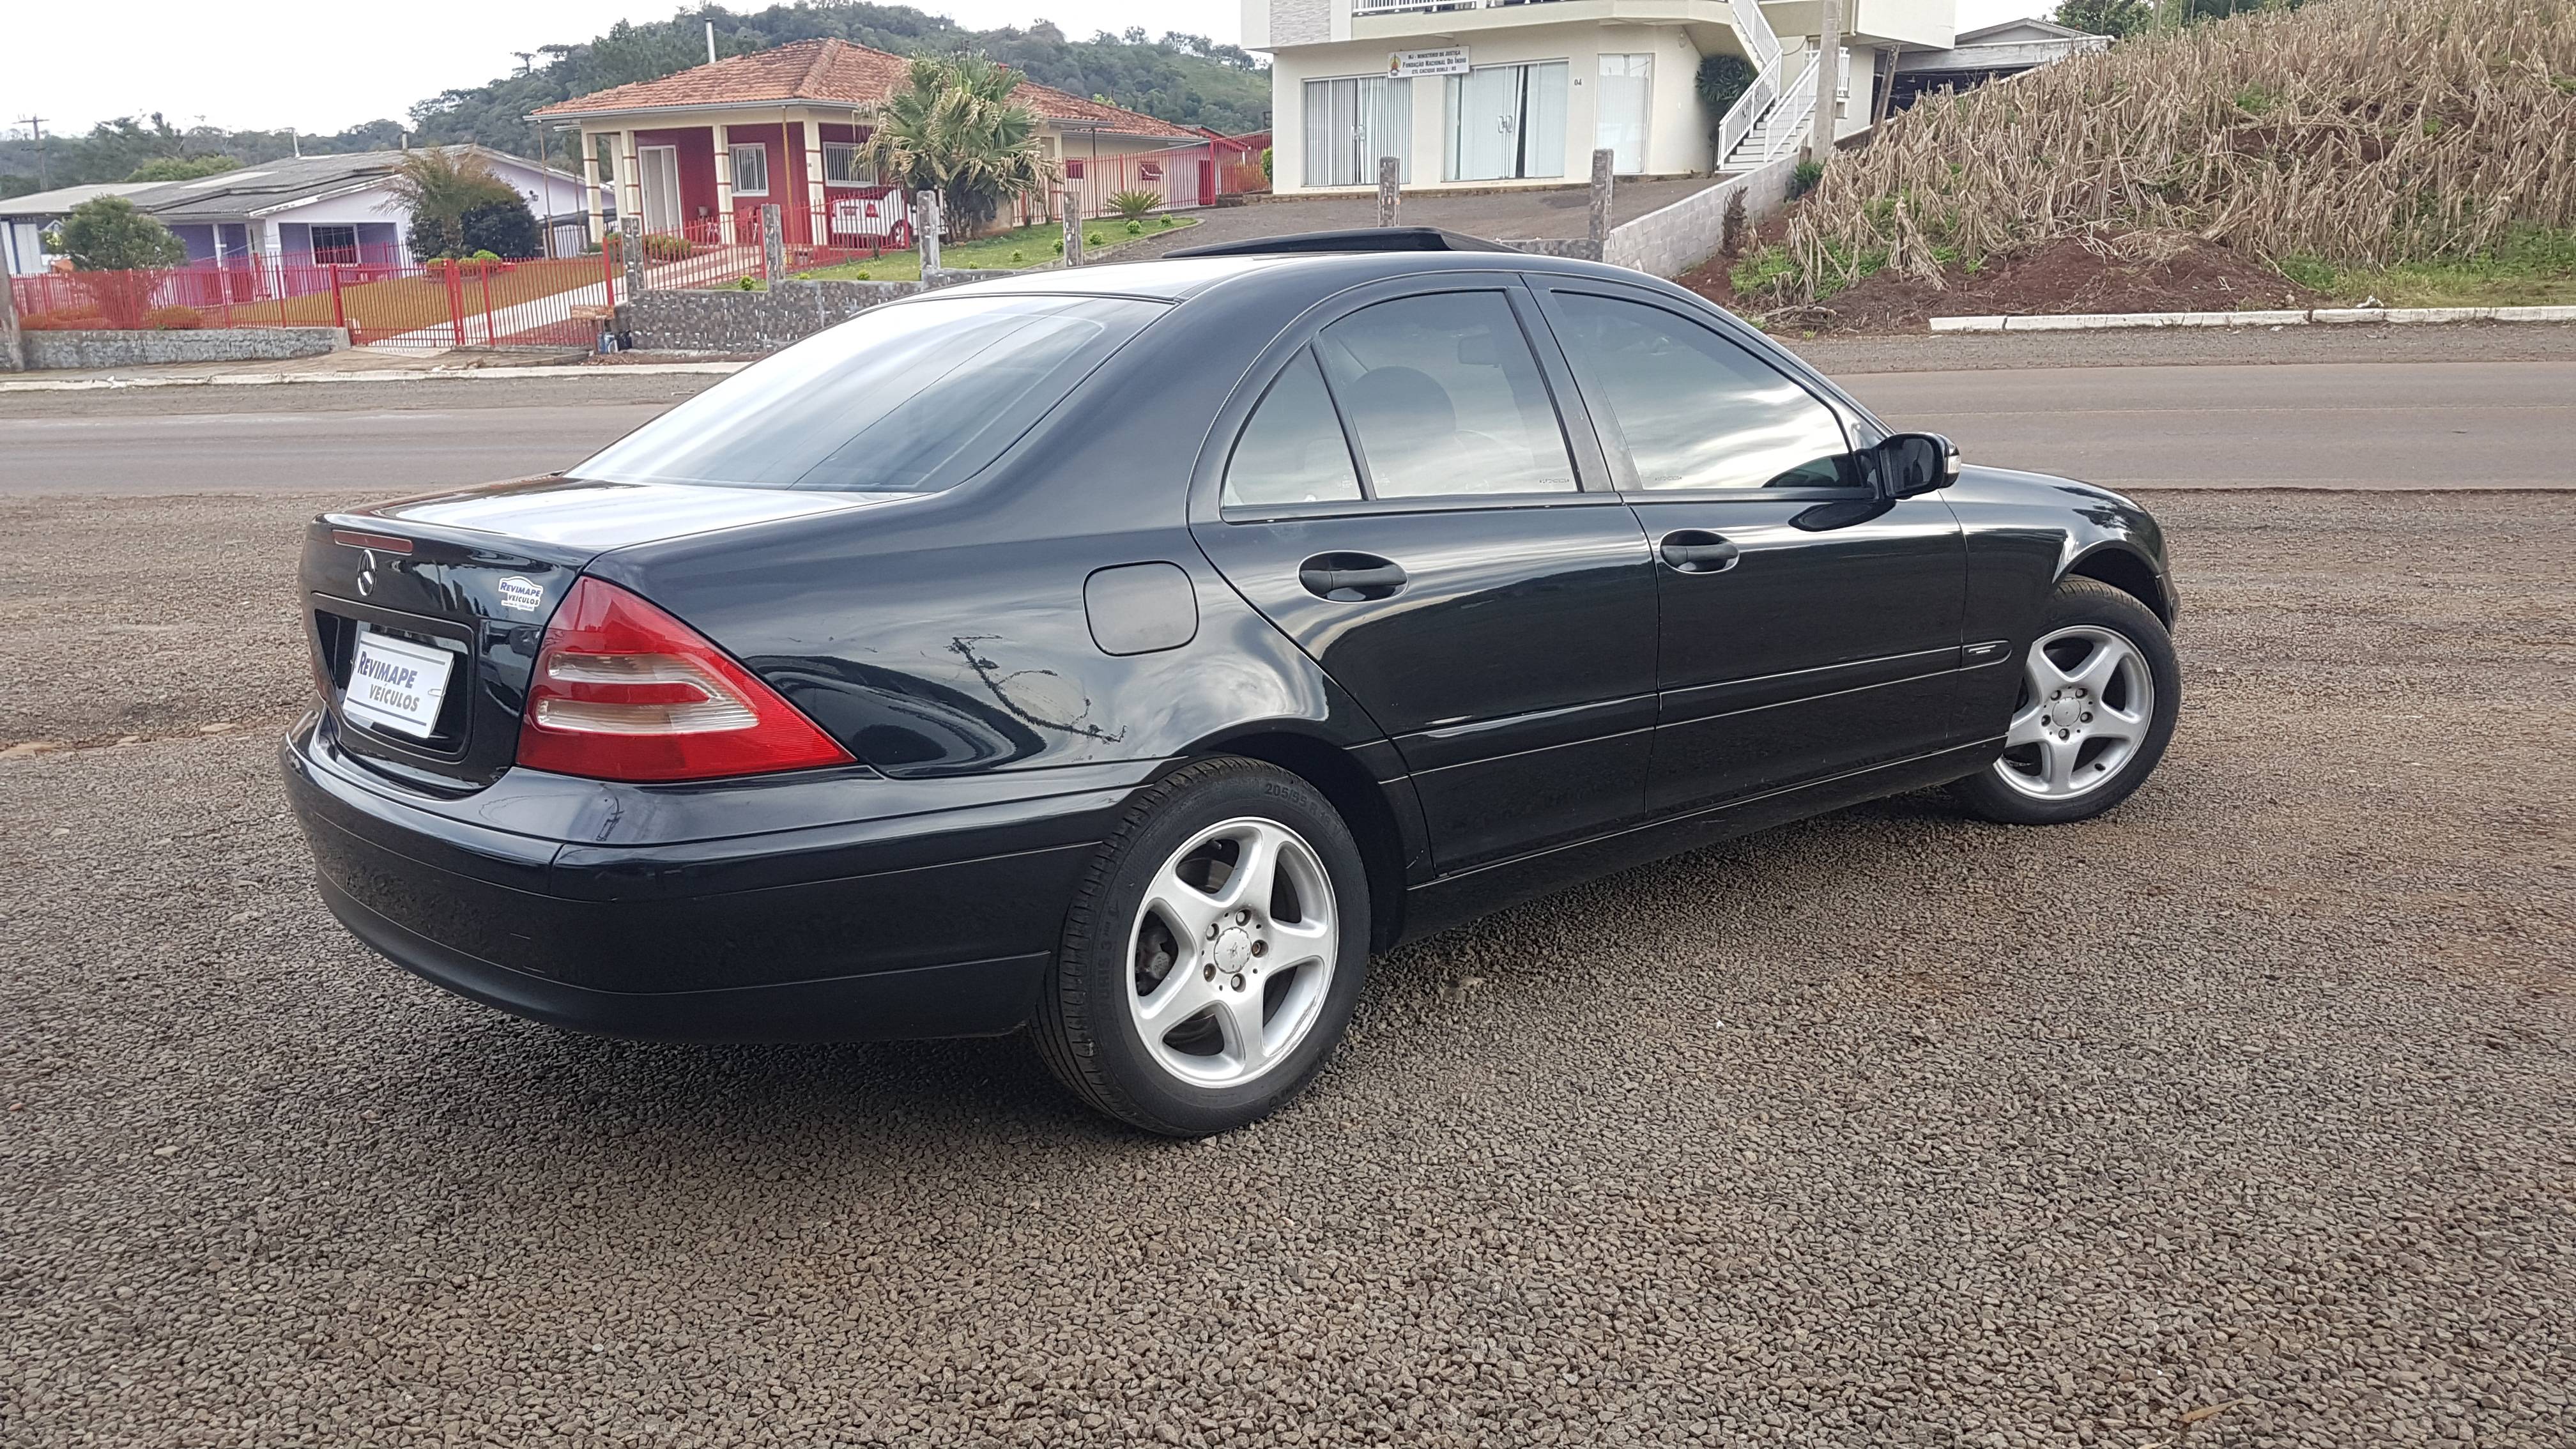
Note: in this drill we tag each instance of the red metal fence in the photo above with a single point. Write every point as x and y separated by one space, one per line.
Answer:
536 303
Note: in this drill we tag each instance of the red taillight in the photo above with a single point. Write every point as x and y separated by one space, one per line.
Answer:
623 691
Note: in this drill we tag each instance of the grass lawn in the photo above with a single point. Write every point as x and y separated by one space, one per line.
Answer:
2533 268
1027 246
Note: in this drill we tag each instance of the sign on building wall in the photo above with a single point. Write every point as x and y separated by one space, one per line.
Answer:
1447 60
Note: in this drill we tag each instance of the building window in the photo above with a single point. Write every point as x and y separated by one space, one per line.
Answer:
751 171
844 165
1624 102
1507 122
1350 123
335 246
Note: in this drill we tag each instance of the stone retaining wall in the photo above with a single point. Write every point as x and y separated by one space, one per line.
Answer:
97 349
1670 242
764 321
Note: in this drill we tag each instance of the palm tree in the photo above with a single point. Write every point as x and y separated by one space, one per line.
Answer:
439 189
957 131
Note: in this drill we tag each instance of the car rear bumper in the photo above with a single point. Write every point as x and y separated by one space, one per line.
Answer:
627 919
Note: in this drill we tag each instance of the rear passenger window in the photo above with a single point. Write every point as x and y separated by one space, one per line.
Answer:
1695 410
1444 397
1292 451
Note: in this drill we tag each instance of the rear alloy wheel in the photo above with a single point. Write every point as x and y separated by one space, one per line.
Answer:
2098 695
1212 955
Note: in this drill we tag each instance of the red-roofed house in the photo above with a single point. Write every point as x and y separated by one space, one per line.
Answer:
699 153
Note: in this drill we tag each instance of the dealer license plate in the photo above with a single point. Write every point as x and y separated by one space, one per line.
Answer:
396 684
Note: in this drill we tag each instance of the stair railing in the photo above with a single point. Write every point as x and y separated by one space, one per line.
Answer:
1762 47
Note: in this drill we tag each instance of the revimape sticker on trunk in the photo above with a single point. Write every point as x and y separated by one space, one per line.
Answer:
396 684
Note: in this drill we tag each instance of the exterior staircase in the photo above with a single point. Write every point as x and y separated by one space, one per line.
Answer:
1770 118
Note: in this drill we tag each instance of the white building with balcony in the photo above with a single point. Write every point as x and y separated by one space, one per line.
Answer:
1500 93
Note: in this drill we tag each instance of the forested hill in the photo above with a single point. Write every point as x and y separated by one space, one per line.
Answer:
1184 78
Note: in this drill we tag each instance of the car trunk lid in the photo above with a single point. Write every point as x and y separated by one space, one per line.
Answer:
425 616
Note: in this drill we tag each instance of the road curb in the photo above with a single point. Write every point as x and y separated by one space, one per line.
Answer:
2323 316
435 374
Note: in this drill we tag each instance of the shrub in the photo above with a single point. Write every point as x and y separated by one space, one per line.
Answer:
1091 238
1723 80
106 234
1803 178
1135 228
174 319
663 248
1134 204
1018 257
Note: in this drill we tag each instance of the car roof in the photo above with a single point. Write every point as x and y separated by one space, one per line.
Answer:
1179 278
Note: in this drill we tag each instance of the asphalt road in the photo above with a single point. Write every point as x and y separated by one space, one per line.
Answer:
382 449
2451 424
2241 1118
2315 425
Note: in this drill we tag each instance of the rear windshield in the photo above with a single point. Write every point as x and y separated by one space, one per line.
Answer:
904 399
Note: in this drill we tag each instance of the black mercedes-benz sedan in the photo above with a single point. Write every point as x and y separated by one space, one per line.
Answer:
1125 654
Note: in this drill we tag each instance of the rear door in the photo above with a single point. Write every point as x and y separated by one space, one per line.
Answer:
1399 495
1808 626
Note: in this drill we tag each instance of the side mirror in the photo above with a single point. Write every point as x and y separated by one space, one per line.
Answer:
1912 463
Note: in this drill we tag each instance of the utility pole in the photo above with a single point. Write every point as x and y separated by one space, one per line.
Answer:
1829 80
44 172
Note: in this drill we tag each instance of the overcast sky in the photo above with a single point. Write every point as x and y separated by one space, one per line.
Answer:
324 68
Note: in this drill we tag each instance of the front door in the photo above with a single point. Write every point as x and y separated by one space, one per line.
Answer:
1809 627
1507 121
1406 505
660 175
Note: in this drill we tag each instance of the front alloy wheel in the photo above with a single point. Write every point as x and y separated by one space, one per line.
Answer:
2087 699
2095 704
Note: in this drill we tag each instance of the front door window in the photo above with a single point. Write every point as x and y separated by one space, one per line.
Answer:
1507 122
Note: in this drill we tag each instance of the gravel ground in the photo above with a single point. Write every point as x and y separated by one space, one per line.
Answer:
2246 1116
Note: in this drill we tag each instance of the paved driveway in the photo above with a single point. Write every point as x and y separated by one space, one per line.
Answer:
1558 211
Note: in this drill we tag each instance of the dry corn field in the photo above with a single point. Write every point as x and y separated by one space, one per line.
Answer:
2355 131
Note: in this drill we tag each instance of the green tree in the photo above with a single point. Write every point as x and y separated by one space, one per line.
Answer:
2117 18
106 234
441 188
183 168
956 130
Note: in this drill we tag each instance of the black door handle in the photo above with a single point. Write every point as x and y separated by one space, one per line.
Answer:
1350 578
1696 551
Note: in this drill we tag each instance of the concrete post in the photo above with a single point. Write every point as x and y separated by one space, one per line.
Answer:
593 189
1390 193
630 235
925 229
13 346
1829 80
724 185
1597 229
773 242
1072 231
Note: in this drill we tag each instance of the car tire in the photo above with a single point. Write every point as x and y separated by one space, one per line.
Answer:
2080 738
1184 1000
